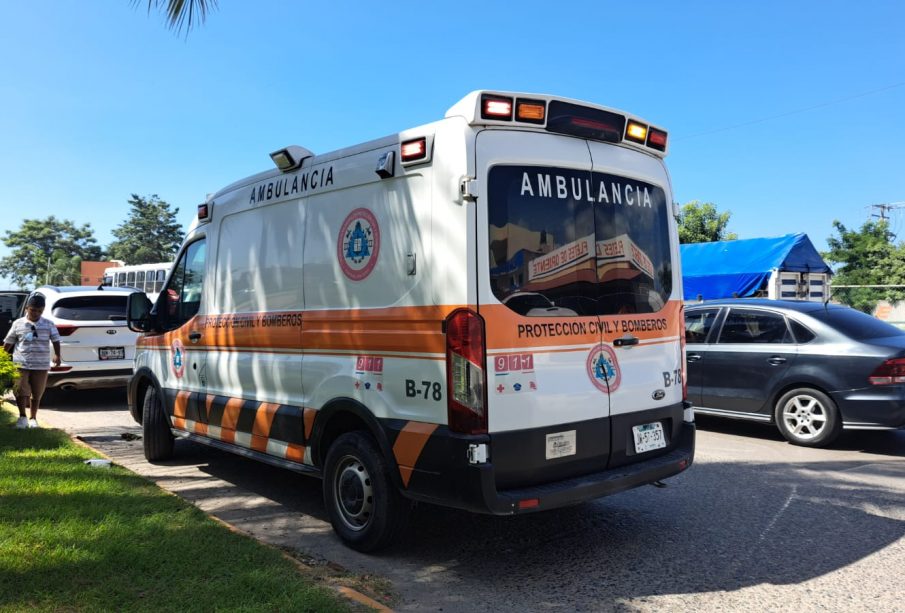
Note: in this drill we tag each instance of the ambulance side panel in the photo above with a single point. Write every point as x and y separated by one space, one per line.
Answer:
257 275
371 335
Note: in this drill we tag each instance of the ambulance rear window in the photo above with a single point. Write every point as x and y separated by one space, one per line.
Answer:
570 243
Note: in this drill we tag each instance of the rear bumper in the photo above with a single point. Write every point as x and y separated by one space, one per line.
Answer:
473 486
89 379
878 407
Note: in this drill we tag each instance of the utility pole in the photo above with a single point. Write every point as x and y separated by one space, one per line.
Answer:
885 208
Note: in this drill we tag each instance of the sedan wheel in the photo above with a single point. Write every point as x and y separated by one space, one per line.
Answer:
808 417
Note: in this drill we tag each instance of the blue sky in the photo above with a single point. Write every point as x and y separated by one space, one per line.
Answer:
787 114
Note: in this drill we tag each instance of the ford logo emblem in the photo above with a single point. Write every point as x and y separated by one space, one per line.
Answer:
658 395
111 331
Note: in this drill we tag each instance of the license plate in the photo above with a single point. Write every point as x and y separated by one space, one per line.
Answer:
648 437
111 353
560 444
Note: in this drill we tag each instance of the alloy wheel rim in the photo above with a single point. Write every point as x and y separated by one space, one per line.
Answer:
804 416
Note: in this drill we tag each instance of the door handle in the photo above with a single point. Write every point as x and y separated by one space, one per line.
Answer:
776 360
693 357
625 341
194 336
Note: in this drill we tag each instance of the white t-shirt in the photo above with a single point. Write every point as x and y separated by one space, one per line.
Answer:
32 340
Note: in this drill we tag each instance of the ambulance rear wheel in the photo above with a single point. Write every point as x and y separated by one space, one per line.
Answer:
365 508
155 429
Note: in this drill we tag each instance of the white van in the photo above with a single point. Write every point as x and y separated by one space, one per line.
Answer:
483 312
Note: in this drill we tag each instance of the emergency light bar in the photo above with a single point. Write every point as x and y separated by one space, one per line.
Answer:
563 117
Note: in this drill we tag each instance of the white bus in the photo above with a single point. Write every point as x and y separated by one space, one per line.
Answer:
148 278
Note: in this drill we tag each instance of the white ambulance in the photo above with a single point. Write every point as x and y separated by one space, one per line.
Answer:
483 312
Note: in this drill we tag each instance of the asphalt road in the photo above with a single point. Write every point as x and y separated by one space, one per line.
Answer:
755 525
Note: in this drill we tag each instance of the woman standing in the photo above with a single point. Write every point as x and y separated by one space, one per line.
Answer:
29 342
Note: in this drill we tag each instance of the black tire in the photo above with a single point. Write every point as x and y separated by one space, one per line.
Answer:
155 428
807 417
365 507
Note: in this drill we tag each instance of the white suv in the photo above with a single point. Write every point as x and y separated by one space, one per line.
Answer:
97 348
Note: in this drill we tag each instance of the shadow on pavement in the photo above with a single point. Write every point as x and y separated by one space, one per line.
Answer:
718 528
880 442
105 399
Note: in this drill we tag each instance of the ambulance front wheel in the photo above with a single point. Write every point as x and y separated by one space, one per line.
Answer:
365 508
155 429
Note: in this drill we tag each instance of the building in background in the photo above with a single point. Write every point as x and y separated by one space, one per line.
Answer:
92 273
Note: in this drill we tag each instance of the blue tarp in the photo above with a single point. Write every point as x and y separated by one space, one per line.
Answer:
740 267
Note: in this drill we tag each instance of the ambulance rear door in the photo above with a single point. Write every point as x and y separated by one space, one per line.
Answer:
639 299
548 413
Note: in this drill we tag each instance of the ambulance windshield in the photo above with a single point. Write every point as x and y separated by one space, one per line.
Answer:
570 243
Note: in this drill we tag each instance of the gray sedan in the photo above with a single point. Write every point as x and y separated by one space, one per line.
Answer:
809 368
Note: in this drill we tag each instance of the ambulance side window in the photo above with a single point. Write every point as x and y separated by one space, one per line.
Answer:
181 298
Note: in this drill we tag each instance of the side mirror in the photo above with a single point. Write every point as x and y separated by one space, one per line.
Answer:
138 310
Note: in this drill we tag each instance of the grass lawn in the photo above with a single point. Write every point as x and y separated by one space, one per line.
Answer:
78 538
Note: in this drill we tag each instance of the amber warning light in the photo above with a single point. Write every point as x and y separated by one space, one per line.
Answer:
636 132
531 111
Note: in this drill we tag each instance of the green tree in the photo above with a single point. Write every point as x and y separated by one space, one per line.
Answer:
48 251
150 234
700 222
181 13
868 256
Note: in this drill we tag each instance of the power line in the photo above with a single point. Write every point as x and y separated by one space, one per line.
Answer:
885 208
788 113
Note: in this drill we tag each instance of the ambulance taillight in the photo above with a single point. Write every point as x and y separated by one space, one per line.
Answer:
465 376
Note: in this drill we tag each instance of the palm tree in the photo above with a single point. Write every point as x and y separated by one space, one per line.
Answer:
182 13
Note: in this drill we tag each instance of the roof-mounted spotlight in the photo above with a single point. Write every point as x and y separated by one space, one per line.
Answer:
290 158
386 167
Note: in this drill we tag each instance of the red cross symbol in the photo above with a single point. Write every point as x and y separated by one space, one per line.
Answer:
357 384
500 388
